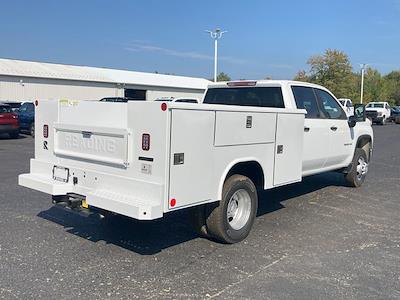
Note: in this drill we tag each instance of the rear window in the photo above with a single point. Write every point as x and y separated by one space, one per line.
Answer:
375 105
27 107
5 109
246 96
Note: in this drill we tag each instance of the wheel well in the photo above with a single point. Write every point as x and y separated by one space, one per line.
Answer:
250 169
365 143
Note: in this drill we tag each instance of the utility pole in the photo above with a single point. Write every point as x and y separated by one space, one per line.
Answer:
363 66
216 35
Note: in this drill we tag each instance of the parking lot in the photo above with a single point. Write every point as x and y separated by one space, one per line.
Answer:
313 240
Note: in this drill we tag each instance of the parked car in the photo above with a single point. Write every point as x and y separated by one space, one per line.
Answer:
15 105
180 99
119 99
26 115
347 106
161 157
378 112
8 121
394 113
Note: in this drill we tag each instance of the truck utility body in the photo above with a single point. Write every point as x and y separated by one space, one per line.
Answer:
144 159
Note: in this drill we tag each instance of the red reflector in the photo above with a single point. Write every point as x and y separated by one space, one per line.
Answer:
172 202
241 83
36 103
163 106
145 141
45 131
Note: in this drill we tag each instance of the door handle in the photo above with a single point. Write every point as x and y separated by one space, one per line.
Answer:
306 129
333 128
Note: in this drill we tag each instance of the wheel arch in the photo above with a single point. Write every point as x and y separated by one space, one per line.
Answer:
249 167
365 142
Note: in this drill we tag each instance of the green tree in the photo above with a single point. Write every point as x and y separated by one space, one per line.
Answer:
223 77
373 84
302 76
332 70
391 87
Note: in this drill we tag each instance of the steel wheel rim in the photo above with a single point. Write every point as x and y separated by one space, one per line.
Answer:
239 209
362 167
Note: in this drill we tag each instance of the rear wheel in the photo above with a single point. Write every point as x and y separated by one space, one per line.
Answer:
359 169
32 130
198 219
231 221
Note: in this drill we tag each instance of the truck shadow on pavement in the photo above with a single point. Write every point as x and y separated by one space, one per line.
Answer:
151 237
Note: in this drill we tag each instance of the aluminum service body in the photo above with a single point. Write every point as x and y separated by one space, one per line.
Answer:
192 149
26 80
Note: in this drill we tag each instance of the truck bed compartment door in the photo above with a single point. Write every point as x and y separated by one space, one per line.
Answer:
288 148
191 160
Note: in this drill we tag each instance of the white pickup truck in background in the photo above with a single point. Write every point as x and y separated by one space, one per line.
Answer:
378 112
145 159
347 105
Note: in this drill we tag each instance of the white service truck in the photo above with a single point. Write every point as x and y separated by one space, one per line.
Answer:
145 159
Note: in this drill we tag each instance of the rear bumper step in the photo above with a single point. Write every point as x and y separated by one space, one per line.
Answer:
123 204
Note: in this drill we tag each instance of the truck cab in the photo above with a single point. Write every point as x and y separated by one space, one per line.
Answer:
347 105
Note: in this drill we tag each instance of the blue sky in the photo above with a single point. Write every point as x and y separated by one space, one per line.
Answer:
265 38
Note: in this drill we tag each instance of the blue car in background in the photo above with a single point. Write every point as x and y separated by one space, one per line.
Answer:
26 116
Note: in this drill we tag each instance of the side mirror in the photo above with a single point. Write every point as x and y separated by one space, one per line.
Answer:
359 112
352 121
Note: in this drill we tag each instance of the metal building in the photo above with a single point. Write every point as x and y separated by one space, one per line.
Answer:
28 81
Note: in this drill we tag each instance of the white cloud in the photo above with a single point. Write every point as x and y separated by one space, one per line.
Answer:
145 47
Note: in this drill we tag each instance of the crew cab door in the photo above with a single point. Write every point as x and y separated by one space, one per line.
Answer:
340 134
316 131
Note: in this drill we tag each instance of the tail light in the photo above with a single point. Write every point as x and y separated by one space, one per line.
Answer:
145 141
46 131
242 83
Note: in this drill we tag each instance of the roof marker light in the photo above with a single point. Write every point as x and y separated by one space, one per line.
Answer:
163 106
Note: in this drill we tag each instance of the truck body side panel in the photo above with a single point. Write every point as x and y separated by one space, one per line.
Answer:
192 157
289 149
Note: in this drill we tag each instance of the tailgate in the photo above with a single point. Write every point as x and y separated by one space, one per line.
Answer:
99 144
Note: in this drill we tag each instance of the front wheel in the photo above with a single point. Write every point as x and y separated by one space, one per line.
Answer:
383 122
231 221
359 169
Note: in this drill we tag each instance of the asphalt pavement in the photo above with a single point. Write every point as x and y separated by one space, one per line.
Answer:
313 240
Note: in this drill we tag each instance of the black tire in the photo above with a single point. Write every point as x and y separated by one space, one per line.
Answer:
354 178
198 220
383 122
217 222
14 135
32 130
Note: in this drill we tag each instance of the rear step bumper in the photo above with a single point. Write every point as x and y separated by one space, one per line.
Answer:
44 184
140 209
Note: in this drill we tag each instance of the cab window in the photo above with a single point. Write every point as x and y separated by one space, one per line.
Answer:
305 99
330 108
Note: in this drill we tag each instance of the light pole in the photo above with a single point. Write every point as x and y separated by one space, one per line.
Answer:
216 35
362 81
